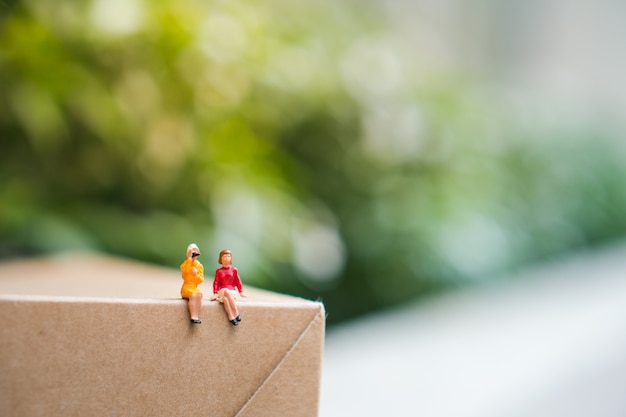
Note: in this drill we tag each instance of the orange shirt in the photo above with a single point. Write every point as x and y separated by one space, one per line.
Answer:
191 280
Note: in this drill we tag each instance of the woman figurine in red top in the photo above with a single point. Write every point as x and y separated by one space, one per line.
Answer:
226 286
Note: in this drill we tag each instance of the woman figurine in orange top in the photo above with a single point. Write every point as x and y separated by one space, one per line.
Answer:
226 285
193 275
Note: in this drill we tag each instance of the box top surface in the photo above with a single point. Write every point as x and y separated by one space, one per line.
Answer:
95 275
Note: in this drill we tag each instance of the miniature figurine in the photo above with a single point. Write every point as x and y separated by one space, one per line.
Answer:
193 275
226 285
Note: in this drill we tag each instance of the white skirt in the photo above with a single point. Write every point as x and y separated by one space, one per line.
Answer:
221 292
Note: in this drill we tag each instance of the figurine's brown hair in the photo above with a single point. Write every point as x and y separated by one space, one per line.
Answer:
222 253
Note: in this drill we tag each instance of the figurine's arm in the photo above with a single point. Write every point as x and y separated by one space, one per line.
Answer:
239 285
187 266
216 282
183 266
197 271
215 286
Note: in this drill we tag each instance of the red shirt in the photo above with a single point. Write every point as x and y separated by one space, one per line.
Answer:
227 277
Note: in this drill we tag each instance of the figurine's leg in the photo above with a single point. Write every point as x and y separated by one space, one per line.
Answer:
195 304
226 303
231 306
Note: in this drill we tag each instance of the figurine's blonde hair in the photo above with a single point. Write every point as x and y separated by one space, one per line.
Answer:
222 253
191 247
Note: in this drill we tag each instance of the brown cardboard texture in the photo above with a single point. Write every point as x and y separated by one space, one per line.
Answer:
89 335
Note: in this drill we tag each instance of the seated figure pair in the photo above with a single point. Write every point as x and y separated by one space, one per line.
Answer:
226 285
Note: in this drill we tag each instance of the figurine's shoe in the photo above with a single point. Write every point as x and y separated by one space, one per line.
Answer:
234 322
238 319
196 321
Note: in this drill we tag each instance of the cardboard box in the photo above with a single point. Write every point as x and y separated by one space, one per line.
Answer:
89 335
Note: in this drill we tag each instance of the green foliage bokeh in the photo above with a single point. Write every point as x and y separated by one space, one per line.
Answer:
304 136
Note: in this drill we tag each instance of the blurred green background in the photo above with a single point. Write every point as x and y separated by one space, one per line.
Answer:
361 153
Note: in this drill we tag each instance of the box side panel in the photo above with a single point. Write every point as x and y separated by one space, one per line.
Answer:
293 388
135 359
